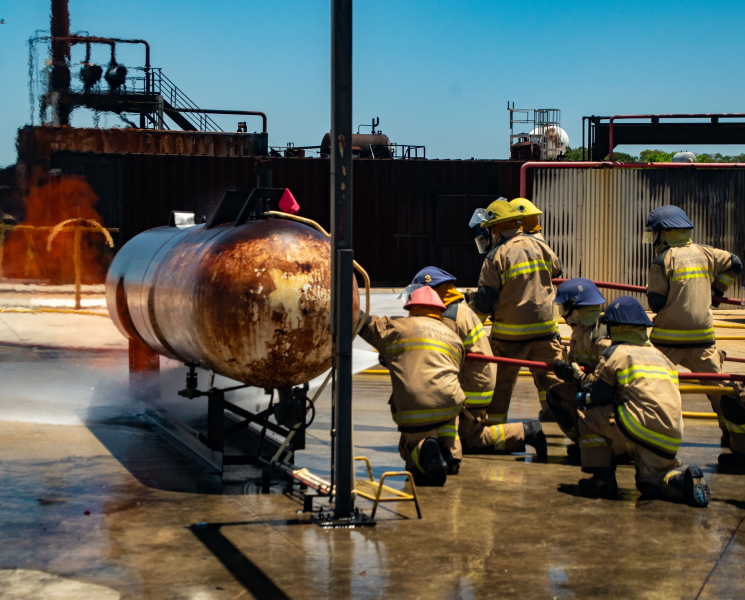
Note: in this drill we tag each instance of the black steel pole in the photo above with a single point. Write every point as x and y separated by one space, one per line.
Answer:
342 253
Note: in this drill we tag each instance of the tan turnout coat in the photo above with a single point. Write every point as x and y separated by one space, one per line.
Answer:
476 378
424 357
516 280
685 275
648 405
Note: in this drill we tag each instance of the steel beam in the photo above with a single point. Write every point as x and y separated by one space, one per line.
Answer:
342 253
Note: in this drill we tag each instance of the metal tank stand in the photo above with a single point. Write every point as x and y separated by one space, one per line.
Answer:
209 448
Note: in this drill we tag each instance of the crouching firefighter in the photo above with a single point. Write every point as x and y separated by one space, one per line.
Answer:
635 397
477 378
424 359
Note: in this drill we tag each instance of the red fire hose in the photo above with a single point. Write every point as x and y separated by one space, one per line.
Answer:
642 290
532 364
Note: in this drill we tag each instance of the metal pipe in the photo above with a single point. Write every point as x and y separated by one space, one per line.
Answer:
342 255
667 116
227 112
611 165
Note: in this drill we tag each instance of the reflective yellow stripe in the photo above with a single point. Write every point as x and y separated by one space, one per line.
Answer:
724 279
683 335
499 437
413 417
594 441
542 395
733 427
474 335
405 344
495 419
478 398
646 372
658 440
691 273
546 328
523 268
447 431
415 458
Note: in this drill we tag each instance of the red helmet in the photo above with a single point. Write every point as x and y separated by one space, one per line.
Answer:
424 296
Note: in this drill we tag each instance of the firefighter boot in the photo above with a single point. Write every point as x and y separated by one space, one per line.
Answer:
432 464
452 462
692 486
602 484
736 460
535 437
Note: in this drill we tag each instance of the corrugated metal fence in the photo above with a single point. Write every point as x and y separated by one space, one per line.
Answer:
594 218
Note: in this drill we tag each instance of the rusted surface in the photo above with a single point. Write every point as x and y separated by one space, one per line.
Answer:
36 143
251 302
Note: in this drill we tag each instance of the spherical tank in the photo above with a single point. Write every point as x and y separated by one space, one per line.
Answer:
251 302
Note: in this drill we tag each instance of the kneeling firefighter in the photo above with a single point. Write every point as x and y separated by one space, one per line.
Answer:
635 398
477 378
580 303
424 358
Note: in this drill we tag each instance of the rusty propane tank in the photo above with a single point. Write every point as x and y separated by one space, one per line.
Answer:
251 302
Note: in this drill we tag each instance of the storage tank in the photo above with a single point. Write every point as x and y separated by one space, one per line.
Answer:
251 302
364 145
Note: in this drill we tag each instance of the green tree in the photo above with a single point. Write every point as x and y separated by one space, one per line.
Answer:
656 156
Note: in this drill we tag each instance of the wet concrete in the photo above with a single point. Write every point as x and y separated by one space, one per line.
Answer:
110 510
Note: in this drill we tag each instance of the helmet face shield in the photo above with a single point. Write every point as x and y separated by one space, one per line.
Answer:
483 243
648 236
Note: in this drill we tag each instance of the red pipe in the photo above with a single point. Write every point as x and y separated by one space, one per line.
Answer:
588 164
667 116
532 364
642 290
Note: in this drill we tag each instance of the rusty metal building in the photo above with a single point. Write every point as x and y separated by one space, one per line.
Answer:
408 213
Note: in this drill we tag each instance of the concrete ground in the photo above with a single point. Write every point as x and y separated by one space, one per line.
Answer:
105 508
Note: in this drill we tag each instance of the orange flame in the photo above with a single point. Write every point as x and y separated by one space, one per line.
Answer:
53 200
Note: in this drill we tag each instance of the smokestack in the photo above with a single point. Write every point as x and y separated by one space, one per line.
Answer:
60 77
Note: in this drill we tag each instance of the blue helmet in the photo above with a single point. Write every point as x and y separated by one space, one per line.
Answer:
626 311
668 217
432 276
578 292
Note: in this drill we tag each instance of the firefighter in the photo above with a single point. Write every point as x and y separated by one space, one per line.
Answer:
530 212
635 397
682 279
477 378
424 358
515 289
580 301
733 414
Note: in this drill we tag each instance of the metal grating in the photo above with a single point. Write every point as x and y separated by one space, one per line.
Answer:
594 218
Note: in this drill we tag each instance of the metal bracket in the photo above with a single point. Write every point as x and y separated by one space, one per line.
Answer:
326 520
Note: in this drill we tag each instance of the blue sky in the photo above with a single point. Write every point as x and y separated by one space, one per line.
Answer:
437 73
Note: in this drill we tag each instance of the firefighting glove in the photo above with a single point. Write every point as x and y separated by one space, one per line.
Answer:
571 373
715 292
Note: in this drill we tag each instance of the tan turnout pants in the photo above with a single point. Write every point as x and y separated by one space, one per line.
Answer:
562 398
479 438
598 432
699 360
733 413
410 443
539 350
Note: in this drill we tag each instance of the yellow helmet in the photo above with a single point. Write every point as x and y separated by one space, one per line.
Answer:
526 207
500 211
